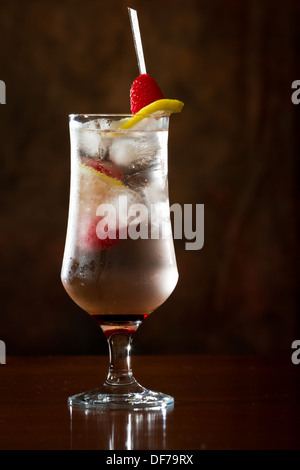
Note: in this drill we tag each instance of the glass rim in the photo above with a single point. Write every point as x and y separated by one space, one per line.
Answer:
99 115
85 122
108 115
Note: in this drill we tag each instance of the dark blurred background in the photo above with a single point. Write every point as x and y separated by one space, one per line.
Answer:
234 148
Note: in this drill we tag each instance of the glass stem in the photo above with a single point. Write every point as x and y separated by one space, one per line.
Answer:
119 339
120 372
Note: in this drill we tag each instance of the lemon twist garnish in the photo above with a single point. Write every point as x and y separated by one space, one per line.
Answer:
164 106
105 177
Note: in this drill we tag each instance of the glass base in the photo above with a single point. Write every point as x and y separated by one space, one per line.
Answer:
120 397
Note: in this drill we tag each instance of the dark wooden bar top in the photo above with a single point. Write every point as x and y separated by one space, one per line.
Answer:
221 402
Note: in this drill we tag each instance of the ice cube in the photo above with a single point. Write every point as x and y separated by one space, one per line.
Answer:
93 138
88 142
133 147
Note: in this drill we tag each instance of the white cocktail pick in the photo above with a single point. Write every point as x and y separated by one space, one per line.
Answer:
137 40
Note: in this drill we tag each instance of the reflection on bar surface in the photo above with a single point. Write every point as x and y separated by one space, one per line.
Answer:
118 429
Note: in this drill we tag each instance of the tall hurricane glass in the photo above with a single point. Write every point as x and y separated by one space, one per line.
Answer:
119 263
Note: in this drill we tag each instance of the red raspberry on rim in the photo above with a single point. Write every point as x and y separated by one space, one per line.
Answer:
144 91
